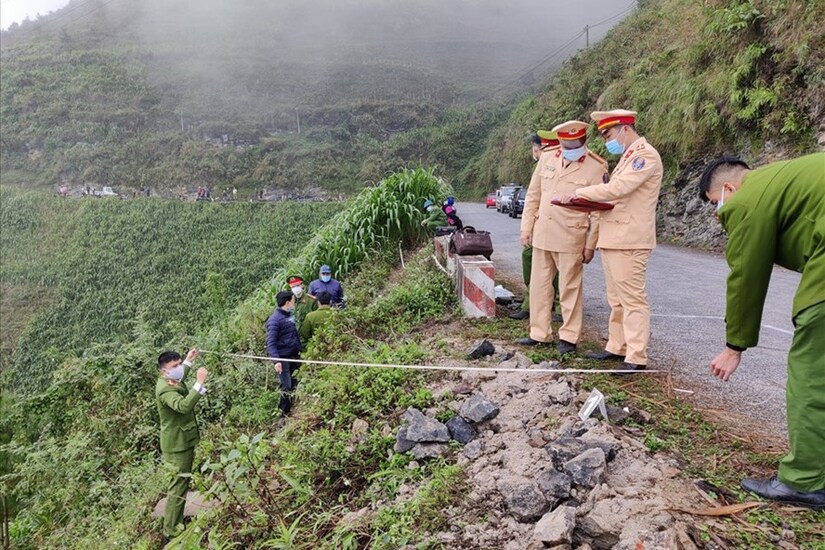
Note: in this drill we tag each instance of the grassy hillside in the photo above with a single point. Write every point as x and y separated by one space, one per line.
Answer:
84 470
706 77
83 451
105 270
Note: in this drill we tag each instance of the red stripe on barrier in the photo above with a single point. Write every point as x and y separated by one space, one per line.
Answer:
478 297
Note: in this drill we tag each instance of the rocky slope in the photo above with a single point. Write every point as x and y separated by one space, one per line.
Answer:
539 476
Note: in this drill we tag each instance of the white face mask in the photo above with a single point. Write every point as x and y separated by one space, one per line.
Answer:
297 291
721 202
175 373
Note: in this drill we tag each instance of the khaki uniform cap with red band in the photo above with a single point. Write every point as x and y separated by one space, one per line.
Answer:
548 139
607 119
294 280
571 130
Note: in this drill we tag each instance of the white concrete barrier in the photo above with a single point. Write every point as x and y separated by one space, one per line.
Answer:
475 286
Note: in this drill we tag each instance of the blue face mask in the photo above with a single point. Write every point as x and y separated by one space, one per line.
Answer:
326 278
574 154
614 147
721 202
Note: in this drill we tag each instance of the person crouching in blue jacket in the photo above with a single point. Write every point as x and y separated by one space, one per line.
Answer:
283 342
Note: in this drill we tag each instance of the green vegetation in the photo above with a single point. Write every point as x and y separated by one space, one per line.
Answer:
705 77
108 269
88 442
92 289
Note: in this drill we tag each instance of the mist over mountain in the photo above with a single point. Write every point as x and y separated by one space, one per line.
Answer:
141 93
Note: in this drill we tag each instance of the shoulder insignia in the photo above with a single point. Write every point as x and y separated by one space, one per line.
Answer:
628 154
605 177
597 157
640 147
638 163
558 153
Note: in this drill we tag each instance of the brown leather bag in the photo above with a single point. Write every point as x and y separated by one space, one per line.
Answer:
469 242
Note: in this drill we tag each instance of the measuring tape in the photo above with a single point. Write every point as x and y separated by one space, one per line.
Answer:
433 367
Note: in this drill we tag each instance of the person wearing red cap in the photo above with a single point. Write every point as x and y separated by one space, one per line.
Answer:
627 235
562 239
303 302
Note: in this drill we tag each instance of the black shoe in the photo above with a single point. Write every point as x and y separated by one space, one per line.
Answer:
604 356
773 489
557 318
629 366
522 314
529 342
566 347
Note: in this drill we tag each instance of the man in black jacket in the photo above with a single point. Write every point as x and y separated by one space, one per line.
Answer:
283 342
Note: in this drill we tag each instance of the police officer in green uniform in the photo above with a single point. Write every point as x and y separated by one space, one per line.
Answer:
435 216
304 303
316 319
541 141
178 428
776 215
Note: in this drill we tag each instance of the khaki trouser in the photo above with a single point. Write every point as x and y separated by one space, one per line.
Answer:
568 266
629 326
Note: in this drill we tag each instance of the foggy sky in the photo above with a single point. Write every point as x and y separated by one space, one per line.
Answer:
15 11
437 33
255 56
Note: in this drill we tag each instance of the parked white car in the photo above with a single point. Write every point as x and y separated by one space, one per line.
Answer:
107 192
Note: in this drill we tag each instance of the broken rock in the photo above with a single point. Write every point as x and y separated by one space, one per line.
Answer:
481 348
474 449
461 430
566 448
402 444
429 450
587 469
359 429
556 527
526 502
479 409
554 485
505 355
423 428
560 393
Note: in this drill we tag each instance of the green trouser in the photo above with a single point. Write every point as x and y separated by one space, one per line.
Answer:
526 267
176 496
803 468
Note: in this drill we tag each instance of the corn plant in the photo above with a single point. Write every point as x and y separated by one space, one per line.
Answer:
376 221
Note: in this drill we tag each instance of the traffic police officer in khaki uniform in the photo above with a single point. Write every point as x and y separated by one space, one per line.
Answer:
562 239
627 235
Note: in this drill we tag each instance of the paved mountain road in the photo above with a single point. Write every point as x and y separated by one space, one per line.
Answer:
686 291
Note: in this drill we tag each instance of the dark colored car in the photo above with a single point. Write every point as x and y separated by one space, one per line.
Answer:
491 200
518 203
